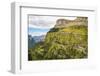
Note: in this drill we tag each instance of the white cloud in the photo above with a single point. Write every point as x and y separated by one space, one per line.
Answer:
37 33
41 27
45 21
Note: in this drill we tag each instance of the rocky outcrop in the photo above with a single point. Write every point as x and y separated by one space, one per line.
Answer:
65 23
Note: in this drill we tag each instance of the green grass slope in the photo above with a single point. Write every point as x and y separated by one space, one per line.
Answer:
62 43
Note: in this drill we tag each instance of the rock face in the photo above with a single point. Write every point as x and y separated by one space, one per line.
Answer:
65 23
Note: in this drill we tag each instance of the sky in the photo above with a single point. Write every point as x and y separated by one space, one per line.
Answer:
40 25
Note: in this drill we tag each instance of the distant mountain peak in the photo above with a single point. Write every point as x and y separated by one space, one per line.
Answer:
39 38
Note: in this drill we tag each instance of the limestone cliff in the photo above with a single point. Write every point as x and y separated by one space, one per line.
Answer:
65 23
